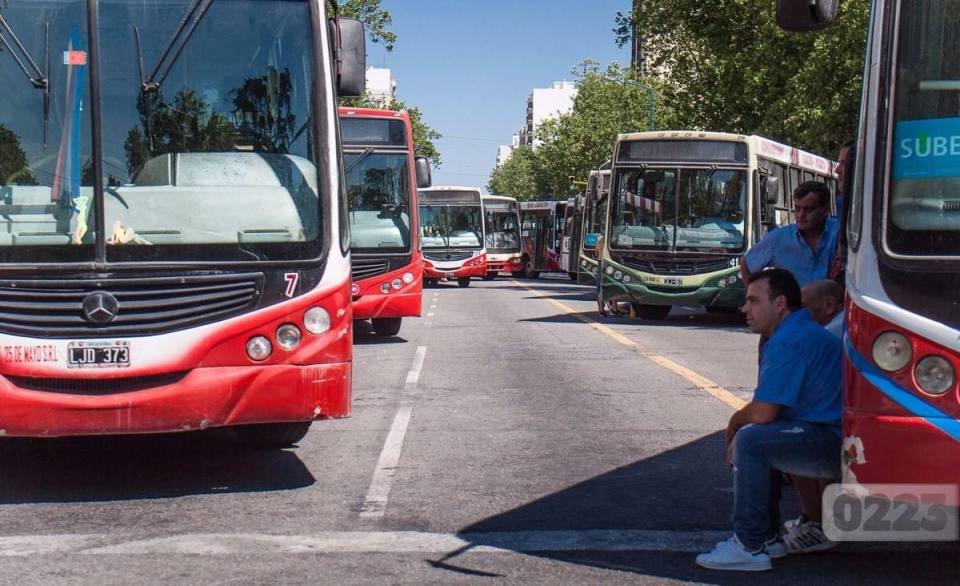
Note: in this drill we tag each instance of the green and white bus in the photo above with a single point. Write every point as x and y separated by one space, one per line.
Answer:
594 223
686 205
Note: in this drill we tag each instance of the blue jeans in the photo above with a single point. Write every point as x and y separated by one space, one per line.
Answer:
800 448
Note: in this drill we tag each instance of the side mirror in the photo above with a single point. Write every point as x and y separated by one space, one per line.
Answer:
351 52
422 165
806 15
771 189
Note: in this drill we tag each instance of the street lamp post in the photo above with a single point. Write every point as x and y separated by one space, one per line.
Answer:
643 86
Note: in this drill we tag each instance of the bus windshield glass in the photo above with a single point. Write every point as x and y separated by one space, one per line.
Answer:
378 188
451 226
205 153
923 212
679 209
45 164
502 232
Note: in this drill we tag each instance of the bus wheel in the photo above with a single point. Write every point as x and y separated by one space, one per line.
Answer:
463 281
652 312
490 276
528 271
271 436
517 274
386 326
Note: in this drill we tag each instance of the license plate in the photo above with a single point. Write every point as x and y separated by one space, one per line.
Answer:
98 354
673 281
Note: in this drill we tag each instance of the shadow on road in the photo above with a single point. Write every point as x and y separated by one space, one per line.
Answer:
702 321
684 498
141 467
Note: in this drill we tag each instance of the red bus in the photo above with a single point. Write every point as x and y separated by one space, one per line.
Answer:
381 172
901 421
502 232
452 234
180 260
542 229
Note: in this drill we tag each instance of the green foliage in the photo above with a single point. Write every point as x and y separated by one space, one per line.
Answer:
375 19
13 160
423 134
520 176
608 102
726 66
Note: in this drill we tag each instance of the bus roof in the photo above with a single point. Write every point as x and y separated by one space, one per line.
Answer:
372 113
540 205
762 146
503 198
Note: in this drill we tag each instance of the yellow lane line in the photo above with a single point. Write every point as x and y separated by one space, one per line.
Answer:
698 380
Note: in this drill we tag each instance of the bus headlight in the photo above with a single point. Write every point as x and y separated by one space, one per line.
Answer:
396 283
618 275
408 278
259 348
288 336
626 278
934 375
385 288
354 289
609 270
891 351
316 320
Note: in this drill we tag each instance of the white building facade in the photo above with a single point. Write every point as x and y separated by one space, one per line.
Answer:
544 104
381 86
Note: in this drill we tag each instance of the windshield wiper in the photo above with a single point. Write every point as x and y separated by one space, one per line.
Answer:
196 12
37 78
353 164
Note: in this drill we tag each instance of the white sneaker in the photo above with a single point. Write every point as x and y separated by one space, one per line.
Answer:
807 537
732 555
789 524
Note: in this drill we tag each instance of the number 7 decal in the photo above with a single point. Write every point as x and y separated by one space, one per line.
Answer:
291 279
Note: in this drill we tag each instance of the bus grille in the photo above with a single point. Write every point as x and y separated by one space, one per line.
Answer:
677 265
361 268
53 308
110 386
446 255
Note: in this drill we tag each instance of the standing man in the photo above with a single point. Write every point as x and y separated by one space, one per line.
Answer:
806 247
792 425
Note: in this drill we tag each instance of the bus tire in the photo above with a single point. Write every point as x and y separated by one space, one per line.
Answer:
463 281
651 312
386 326
271 436
527 271
490 276
517 274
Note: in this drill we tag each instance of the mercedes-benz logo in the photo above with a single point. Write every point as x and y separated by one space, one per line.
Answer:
100 307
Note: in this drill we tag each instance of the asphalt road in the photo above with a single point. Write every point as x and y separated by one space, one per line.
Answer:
509 435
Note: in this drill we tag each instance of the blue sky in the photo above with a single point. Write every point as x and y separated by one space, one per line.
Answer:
470 65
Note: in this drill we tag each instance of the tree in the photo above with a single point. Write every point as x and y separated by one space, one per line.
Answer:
376 20
14 167
608 102
519 176
187 125
726 66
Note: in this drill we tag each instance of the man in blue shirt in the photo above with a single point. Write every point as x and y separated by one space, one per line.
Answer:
792 424
805 248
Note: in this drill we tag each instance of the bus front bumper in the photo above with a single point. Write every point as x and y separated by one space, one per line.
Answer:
885 449
201 398
707 295
476 267
371 302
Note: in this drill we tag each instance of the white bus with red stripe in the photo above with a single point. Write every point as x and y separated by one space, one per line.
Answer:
180 259
901 420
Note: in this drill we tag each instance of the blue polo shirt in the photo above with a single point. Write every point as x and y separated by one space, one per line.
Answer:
800 370
785 248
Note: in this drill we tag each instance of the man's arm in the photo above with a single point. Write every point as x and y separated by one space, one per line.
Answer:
754 412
